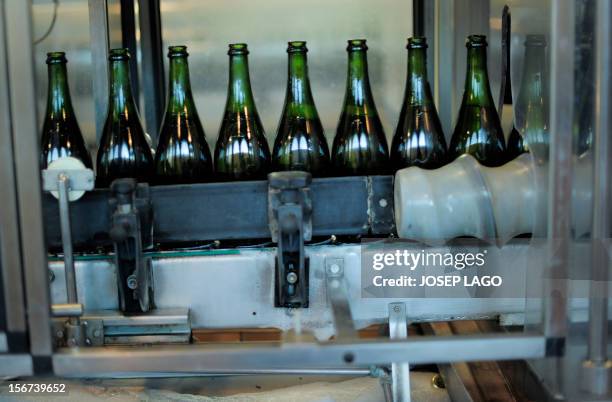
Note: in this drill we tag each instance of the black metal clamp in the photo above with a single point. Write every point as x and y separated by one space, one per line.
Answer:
132 232
290 222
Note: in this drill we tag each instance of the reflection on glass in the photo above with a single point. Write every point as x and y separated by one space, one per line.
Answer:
531 112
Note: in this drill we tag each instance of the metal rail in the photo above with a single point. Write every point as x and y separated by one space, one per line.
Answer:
255 356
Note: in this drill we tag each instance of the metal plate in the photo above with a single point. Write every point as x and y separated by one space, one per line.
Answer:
242 283
239 210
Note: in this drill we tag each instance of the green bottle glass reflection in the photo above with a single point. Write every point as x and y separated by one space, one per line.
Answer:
241 152
531 105
418 140
360 146
61 135
300 142
124 151
182 153
478 131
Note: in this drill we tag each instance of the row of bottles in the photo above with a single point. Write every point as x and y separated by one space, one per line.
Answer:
242 152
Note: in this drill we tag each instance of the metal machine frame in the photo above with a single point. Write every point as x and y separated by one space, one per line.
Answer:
24 258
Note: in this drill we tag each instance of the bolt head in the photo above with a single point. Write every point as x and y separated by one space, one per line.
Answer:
292 277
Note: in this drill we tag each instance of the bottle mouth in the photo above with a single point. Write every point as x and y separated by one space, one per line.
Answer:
297 46
237 48
476 41
535 40
177 51
56 58
356 45
417 42
119 54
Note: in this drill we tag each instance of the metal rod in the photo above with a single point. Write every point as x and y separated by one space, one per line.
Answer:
560 167
602 161
10 257
233 372
98 34
128 40
338 297
400 372
67 310
152 82
64 204
250 356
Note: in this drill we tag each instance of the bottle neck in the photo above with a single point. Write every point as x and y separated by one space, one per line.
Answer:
477 90
298 84
180 98
59 104
240 95
418 92
121 99
358 91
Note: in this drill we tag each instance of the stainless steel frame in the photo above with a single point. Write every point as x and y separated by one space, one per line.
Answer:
18 31
10 254
345 352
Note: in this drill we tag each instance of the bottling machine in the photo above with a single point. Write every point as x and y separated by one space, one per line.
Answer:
112 282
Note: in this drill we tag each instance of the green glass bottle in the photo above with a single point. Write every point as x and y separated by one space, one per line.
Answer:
478 131
360 146
418 140
182 153
124 151
532 106
300 142
241 152
61 135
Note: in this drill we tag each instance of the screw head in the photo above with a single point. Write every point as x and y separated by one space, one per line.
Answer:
292 277
396 309
131 282
96 333
383 202
87 341
59 334
334 268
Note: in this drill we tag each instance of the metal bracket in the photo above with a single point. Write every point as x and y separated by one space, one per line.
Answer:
338 297
132 231
290 223
400 372
68 185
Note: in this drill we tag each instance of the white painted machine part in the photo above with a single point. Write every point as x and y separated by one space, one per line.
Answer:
465 198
